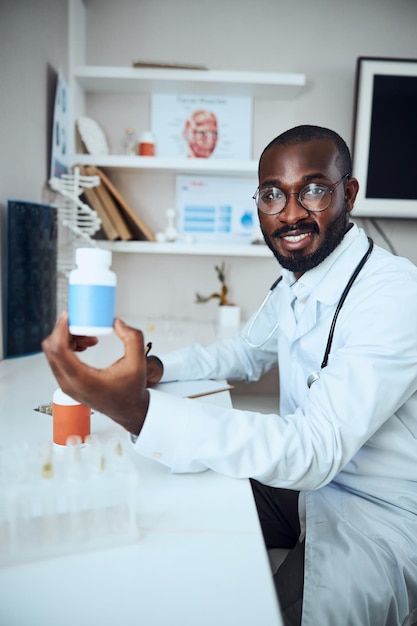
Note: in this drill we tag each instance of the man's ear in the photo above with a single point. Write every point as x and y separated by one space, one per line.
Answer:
351 191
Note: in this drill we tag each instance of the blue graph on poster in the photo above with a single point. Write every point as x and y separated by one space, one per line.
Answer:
217 210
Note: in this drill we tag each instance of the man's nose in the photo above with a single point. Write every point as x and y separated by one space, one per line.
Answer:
293 211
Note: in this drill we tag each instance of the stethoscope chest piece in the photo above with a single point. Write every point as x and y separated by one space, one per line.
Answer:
312 378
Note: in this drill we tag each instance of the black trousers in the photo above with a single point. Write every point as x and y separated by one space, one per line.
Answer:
278 515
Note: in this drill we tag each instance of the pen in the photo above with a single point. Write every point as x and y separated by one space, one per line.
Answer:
44 408
148 348
209 393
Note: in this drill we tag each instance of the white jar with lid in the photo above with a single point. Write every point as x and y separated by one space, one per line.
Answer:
92 293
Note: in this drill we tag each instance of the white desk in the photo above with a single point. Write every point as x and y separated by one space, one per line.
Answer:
199 559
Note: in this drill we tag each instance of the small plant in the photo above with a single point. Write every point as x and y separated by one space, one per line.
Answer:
222 295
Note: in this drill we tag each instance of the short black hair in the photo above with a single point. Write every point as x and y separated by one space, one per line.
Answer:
307 132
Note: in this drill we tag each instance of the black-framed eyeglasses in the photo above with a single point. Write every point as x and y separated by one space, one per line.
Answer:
314 197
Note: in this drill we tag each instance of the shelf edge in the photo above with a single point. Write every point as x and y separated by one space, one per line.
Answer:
147 247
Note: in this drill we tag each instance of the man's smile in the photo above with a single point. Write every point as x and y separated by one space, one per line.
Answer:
295 238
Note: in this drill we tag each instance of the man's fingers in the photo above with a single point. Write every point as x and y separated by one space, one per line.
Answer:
132 340
59 335
58 348
79 344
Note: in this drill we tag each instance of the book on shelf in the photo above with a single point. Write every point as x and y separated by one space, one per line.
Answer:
119 220
110 206
92 199
138 227
167 65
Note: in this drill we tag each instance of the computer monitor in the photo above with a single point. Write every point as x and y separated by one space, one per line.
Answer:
384 142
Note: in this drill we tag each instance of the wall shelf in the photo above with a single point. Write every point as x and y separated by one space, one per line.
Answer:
132 80
191 166
200 249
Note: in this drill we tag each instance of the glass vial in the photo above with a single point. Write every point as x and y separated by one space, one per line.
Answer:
147 145
92 293
130 142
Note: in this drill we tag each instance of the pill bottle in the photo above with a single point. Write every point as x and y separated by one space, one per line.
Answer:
92 293
69 418
146 145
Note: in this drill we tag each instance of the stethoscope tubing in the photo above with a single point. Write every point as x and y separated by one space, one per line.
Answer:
258 312
342 300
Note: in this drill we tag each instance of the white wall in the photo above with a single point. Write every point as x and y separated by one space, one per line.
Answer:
33 46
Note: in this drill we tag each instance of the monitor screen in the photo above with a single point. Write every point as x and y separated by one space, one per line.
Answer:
385 138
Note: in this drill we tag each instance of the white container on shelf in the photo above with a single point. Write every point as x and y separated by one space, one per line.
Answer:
228 319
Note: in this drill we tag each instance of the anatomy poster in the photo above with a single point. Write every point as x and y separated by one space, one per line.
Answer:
201 126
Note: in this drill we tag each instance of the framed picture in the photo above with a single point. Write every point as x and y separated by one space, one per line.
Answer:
385 137
206 126
217 210
60 133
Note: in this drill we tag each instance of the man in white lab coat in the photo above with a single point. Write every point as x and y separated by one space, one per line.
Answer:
335 472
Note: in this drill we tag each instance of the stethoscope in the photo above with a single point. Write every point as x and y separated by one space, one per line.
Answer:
314 375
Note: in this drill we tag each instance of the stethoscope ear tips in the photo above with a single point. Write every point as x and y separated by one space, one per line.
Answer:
312 378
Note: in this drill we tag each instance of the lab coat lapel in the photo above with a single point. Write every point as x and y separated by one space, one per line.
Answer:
286 316
308 318
326 294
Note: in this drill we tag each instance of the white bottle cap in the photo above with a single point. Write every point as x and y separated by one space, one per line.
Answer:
147 137
93 255
59 397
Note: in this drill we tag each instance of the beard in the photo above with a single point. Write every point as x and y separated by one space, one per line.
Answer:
297 261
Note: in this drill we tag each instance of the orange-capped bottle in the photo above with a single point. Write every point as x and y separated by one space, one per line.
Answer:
69 418
146 145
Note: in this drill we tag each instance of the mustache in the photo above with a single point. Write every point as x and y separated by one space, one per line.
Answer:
299 228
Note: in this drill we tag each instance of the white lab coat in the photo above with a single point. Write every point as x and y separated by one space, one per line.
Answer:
349 444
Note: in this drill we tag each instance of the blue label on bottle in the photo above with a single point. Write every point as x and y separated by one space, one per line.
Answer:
91 305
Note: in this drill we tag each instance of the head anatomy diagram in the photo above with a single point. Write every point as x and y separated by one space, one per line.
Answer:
201 133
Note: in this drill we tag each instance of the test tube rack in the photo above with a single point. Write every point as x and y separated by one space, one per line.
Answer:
57 500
